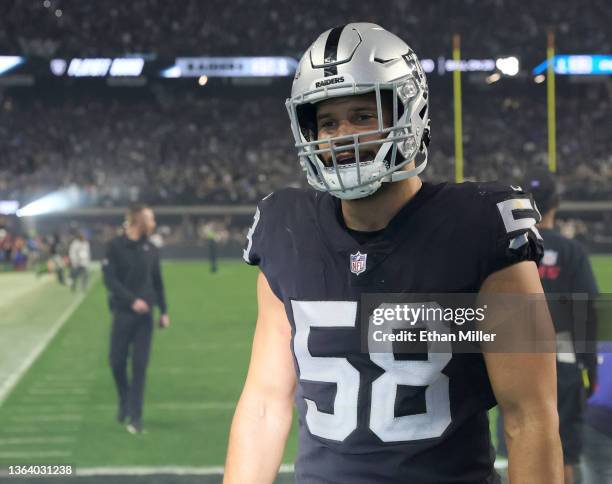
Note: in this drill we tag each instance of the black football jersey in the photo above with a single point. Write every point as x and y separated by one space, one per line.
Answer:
372 418
565 270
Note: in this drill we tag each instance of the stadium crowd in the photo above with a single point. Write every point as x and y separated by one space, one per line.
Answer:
49 244
67 28
186 148
187 151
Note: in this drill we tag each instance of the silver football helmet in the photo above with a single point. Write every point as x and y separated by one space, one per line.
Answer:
355 59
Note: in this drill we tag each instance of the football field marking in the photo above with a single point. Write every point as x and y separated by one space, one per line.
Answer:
173 470
21 429
15 285
36 440
7 386
75 409
34 453
46 418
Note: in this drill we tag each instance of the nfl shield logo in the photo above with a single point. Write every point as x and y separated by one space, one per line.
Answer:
550 257
358 263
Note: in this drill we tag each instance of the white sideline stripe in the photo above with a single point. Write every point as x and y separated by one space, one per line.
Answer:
33 408
75 410
196 406
208 346
57 391
46 418
35 453
186 369
69 377
174 470
36 440
23 430
10 383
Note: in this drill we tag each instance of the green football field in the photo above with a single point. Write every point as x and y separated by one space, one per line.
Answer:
60 407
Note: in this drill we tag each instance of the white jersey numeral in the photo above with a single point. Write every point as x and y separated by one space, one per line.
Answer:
246 253
325 314
507 208
339 424
437 418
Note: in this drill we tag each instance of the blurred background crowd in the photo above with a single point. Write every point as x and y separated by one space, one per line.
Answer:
103 28
184 148
173 143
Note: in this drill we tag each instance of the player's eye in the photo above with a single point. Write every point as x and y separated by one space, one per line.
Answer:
327 125
365 117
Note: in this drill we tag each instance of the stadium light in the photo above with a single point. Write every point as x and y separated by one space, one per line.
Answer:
8 62
53 202
428 65
578 65
539 79
8 207
173 72
202 80
508 65
496 76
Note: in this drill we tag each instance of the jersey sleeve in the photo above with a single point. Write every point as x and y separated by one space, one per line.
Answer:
510 219
261 247
255 243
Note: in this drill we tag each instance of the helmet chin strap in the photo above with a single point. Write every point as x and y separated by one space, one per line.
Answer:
403 174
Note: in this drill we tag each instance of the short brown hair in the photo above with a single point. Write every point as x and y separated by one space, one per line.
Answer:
133 211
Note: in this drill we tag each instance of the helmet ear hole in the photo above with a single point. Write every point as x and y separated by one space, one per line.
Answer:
423 112
306 117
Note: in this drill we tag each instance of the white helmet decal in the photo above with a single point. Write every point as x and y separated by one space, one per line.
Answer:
355 59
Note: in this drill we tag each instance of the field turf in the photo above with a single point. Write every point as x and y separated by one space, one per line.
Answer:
63 408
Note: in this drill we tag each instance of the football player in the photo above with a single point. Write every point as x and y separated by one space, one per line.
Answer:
359 115
566 270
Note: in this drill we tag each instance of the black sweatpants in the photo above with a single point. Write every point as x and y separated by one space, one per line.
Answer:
131 335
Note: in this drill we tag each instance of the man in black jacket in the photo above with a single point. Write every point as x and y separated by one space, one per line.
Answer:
565 270
133 278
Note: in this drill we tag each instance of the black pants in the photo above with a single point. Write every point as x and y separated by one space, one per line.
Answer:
80 273
212 255
133 332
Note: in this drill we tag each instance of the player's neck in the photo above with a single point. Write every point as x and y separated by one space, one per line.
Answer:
548 220
374 212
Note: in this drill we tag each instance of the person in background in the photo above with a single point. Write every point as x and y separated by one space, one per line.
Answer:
5 245
212 236
133 278
19 254
597 456
79 253
565 270
55 258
